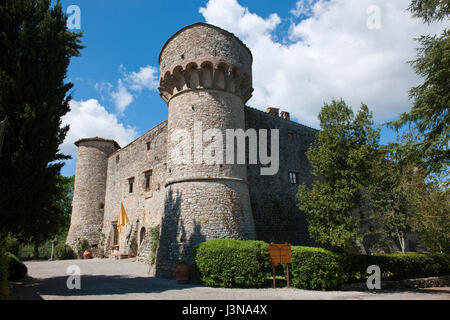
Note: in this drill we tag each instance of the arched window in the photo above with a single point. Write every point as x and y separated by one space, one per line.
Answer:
141 235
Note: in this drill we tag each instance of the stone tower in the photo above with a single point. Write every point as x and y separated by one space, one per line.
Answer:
206 79
89 189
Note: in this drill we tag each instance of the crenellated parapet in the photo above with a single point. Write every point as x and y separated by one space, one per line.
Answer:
194 75
202 56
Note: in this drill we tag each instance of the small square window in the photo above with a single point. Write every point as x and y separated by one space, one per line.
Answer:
149 146
148 180
117 159
293 177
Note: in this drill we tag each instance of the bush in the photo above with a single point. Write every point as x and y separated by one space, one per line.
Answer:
63 252
82 246
399 266
16 269
242 264
154 241
133 247
232 263
12 245
317 269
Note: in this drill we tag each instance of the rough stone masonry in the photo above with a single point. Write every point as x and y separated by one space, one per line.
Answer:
205 76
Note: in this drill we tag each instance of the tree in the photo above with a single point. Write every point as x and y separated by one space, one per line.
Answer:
64 202
430 10
429 115
36 49
54 218
431 200
341 157
404 197
390 208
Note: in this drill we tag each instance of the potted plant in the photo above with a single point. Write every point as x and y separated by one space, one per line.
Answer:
87 254
182 272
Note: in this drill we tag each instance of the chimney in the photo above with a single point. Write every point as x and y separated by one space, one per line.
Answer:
273 111
285 115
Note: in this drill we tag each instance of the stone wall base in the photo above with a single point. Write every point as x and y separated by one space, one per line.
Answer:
443 281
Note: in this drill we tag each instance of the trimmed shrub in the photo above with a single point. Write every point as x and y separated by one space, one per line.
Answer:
63 252
243 264
399 266
12 245
16 269
317 269
232 263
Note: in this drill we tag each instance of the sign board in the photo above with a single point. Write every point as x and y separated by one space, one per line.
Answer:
280 253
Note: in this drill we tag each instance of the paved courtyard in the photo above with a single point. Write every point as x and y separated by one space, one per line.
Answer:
119 279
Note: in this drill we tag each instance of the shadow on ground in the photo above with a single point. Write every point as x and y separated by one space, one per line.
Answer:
92 285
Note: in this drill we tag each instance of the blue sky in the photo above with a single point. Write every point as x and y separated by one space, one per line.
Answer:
305 52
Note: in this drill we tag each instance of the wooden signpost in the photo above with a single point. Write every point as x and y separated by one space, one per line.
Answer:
280 253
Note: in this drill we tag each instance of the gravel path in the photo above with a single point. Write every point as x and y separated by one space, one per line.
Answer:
113 279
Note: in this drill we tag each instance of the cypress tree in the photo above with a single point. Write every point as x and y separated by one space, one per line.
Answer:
35 52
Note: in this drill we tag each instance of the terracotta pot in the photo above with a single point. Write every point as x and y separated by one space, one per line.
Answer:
87 254
182 273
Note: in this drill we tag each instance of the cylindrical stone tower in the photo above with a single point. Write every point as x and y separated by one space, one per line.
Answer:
89 189
206 78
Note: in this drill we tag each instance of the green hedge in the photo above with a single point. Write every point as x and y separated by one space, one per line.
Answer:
317 269
232 263
16 269
399 266
243 264
63 252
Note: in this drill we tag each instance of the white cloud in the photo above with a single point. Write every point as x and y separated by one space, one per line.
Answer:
122 97
331 54
89 119
230 15
129 86
303 7
145 78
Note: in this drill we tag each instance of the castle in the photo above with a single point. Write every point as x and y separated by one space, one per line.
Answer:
205 77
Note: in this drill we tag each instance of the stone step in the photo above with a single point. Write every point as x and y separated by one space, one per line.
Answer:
144 248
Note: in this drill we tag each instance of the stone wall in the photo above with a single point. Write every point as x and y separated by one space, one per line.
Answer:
273 198
144 207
